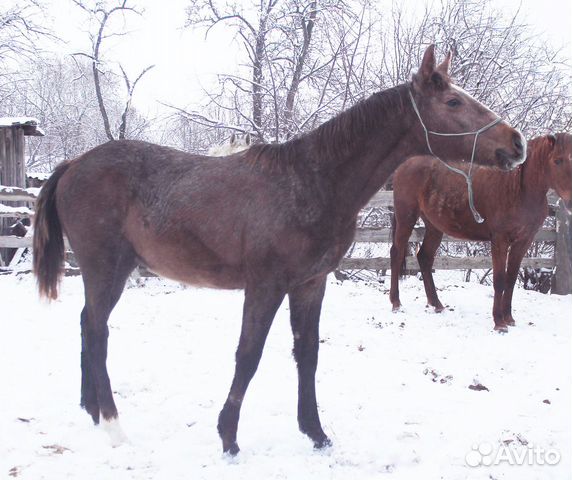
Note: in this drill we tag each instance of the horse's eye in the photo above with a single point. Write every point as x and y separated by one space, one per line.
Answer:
454 102
558 161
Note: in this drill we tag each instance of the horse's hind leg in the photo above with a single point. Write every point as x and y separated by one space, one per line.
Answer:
499 250
261 302
104 275
402 228
305 307
515 255
426 257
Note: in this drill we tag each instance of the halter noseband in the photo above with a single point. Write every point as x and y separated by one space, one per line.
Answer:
468 177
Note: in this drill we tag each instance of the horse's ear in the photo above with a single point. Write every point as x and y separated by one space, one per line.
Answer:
428 63
445 65
247 139
232 138
551 140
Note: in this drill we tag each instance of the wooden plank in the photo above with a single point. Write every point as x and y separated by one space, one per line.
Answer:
441 263
384 198
14 194
563 252
383 235
7 211
11 241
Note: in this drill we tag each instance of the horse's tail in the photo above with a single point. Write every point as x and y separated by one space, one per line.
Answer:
48 237
401 272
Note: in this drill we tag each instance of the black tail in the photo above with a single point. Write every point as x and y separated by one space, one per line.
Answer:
49 247
401 272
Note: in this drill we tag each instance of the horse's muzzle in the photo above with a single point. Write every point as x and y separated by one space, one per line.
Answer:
506 161
510 159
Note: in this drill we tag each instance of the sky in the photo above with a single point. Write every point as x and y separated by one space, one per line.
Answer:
185 61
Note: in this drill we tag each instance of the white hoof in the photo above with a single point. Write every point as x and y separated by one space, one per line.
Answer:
115 432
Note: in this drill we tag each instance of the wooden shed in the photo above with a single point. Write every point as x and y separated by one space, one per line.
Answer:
13 131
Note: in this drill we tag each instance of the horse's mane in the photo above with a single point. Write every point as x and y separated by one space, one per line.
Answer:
330 142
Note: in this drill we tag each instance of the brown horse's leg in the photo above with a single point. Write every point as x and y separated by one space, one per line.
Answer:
305 307
260 305
426 257
515 255
499 249
401 232
104 275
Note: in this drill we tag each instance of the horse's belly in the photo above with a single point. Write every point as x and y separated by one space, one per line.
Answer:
212 276
183 257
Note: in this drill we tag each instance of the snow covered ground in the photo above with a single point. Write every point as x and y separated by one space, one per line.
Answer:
392 388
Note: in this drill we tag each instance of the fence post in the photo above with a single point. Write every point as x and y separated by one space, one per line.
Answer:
563 251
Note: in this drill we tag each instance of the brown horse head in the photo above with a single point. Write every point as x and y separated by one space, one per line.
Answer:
447 108
560 165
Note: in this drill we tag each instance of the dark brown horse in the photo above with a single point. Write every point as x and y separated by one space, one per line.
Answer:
273 220
513 204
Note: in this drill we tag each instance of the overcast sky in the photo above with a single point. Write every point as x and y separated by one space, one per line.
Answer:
185 61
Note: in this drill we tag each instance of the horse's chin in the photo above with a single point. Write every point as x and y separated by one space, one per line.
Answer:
507 161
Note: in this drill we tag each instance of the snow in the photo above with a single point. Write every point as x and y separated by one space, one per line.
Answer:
38 175
392 387
22 121
10 121
16 211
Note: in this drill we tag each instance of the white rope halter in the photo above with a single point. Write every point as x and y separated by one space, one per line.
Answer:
468 177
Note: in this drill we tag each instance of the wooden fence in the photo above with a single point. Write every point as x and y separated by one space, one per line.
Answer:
374 235
385 199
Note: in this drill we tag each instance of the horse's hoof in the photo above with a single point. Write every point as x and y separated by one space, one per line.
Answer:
396 307
116 434
439 308
501 328
231 450
510 322
322 443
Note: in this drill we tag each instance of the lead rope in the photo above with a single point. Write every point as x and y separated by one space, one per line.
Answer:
468 177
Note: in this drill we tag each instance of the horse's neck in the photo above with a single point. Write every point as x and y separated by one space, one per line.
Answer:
365 153
359 178
534 181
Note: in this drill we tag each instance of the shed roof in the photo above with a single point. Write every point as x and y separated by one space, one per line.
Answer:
29 124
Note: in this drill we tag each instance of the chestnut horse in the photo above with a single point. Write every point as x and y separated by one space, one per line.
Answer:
513 204
273 220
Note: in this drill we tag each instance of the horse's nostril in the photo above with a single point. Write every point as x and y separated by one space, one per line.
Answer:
517 142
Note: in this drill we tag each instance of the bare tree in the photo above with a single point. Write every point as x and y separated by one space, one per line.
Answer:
284 49
100 14
496 58
58 91
20 31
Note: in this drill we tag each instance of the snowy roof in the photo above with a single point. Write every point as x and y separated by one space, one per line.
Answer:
29 124
38 175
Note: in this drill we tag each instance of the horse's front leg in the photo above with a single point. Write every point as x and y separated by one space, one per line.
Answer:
305 307
517 251
499 251
260 305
